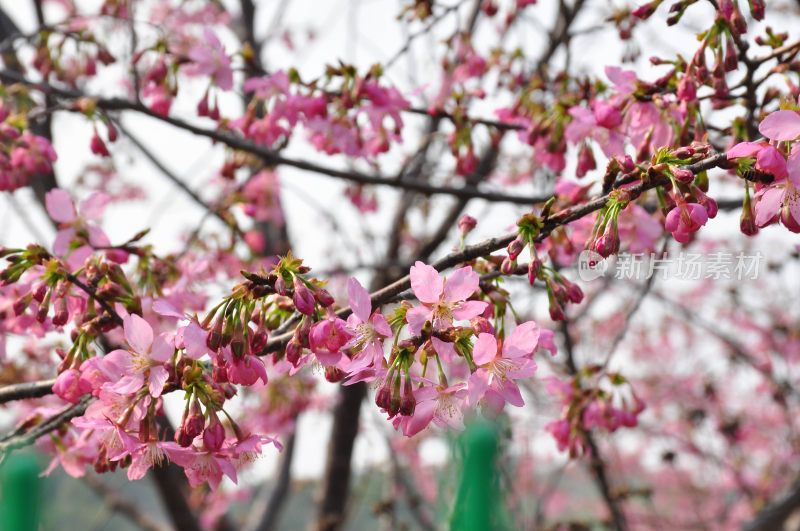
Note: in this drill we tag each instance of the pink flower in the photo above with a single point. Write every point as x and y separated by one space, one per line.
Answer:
599 125
205 466
781 199
684 219
327 338
442 406
143 361
499 364
443 299
367 329
76 226
768 158
209 58
145 455
245 370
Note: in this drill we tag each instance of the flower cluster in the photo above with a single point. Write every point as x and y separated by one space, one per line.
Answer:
777 166
587 405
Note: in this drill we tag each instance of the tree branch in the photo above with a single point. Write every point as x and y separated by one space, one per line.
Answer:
270 156
22 391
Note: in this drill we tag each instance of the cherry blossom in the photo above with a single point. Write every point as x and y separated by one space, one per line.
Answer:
143 362
500 363
443 299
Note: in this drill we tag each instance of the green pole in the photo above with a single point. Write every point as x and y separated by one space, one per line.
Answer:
19 493
479 503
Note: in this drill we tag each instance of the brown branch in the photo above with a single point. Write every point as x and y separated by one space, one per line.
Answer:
266 512
560 33
331 511
50 424
776 513
172 485
25 390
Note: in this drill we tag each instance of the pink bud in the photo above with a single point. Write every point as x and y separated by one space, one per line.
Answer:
98 147
194 422
214 434
324 297
70 386
534 268
407 403
687 91
515 247
303 298
293 352
481 325
466 224
508 266
682 175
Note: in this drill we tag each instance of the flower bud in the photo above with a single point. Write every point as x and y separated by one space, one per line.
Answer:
214 434
515 247
21 304
258 340
334 374
323 297
682 175
747 222
481 325
383 396
508 266
534 268
574 292
303 298
194 422
280 285
182 438
293 352
238 343
407 403
214 337
62 313
466 224
556 311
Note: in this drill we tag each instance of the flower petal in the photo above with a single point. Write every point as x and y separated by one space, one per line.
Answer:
461 284
59 205
381 325
745 149
445 350
138 333
426 282
162 349
781 125
477 385
359 299
416 318
485 349
768 205
158 377
468 310
93 206
522 341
